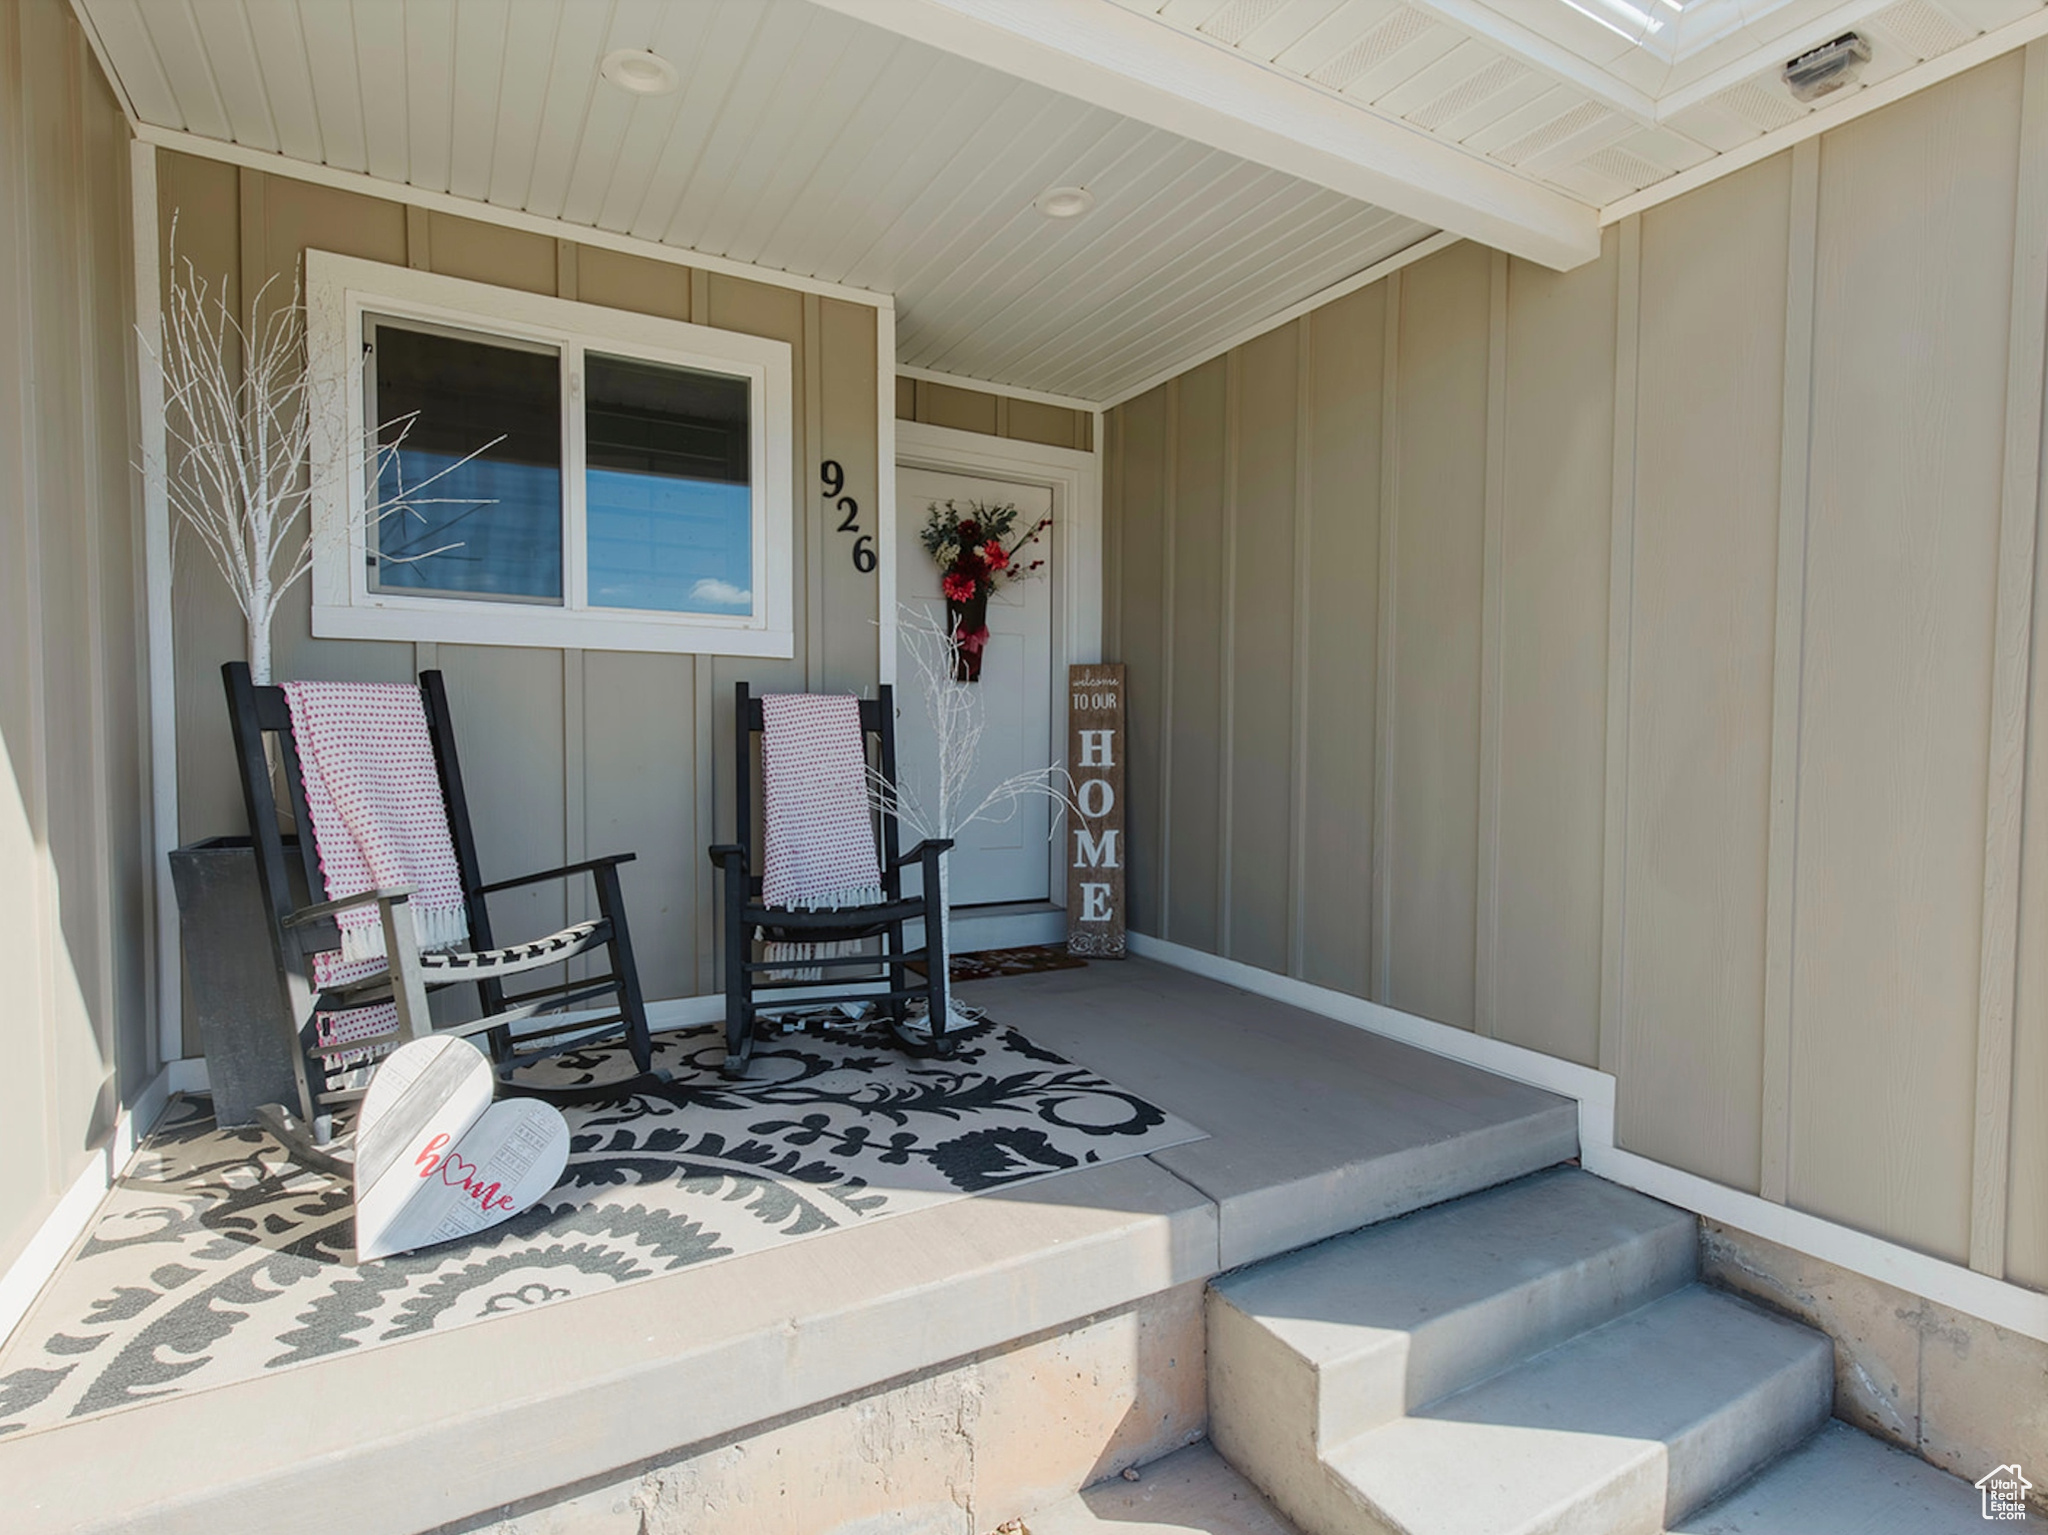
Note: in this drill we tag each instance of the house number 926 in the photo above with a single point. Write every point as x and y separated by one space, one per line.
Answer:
833 478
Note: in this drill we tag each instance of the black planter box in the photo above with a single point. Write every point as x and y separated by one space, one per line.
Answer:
231 977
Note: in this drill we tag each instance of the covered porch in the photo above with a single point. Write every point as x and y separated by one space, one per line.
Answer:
1563 483
988 1357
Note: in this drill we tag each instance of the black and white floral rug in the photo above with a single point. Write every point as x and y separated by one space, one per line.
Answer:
214 1259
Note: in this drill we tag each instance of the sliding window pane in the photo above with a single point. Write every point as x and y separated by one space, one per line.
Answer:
670 507
490 526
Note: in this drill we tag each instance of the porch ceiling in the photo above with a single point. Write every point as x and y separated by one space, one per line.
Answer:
800 140
1244 154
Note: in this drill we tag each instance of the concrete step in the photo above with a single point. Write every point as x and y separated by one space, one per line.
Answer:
1190 1492
1842 1482
1616 1432
1326 1343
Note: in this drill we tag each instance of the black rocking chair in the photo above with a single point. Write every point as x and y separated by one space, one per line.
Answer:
298 932
746 995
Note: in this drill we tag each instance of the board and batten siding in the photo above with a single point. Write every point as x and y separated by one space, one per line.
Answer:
566 753
1647 664
993 415
75 907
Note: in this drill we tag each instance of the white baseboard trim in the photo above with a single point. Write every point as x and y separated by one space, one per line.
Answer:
2011 1306
25 1277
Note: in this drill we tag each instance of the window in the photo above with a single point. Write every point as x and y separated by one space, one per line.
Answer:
504 468
475 424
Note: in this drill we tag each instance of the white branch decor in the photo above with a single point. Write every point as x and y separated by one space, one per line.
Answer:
958 717
238 424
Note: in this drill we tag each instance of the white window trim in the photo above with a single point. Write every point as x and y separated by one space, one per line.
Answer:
341 290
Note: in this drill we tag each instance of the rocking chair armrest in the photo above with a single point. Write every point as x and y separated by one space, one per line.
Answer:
567 871
925 852
325 909
728 855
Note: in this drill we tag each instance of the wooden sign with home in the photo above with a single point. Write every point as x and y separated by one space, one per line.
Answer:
1095 835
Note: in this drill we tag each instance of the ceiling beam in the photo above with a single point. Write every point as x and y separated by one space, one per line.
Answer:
1109 57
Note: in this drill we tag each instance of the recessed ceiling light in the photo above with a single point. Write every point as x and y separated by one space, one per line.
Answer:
1064 202
639 70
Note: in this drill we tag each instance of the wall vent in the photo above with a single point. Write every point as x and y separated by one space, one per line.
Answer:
1230 24
1631 170
1921 29
1378 45
1761 109
1467 93
1553 133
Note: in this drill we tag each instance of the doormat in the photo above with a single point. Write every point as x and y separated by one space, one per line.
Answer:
214 1259
987 964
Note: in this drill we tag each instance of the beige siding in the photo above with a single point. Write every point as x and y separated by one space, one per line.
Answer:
964 410
2027 1194
1433 843
1699 652
74 907
1685 759
1264 423
846 389
1558 472
993 415
1140 620
566 753
1916 222
1341 532
1197 737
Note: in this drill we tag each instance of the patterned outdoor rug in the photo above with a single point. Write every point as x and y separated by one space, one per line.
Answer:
214 1259
987 964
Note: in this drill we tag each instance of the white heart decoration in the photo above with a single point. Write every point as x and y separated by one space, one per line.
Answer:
437 1159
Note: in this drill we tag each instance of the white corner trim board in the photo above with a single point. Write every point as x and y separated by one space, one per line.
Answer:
24 1278
2011 1306
168 984
885 494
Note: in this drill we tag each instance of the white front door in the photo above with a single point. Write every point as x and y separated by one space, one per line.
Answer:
1007 859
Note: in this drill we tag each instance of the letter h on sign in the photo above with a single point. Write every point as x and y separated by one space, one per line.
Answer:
1095 862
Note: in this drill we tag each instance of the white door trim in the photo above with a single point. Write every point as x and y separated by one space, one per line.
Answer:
1075 480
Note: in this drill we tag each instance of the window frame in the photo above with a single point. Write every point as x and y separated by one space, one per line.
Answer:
342 292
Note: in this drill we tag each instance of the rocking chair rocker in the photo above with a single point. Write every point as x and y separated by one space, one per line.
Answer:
299 933
747 995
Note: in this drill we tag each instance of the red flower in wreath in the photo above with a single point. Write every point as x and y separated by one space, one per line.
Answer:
958 587
996 555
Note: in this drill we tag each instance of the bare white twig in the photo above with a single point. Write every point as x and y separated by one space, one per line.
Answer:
238 425
958 717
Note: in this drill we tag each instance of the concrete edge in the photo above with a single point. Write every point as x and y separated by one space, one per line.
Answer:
590 1385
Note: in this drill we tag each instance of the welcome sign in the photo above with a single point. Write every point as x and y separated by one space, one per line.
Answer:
1095 836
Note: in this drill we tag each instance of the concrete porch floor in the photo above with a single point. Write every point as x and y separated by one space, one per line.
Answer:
1314 1128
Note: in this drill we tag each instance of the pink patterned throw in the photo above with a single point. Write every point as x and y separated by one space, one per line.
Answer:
819 850
374 798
